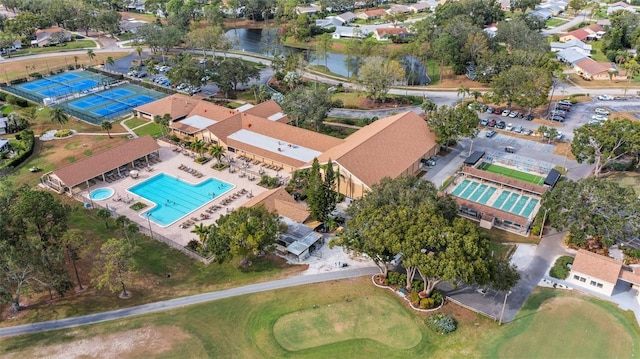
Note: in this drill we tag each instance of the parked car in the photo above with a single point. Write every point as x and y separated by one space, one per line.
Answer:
517 129
558 113
505 113
513 114
484 122
563 108
557 118
490 109
565 102
605 98
501 125
529 117
509 127
600 117
601 111
492 122
527 132
491 133
497 111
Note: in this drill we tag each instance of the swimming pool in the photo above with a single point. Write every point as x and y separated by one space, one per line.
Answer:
175 198
101 193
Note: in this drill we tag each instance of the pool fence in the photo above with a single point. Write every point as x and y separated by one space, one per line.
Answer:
149 232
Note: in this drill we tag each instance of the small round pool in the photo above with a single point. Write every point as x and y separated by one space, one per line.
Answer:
101 193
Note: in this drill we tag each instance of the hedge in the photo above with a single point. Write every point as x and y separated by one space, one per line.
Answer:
29 140
560 269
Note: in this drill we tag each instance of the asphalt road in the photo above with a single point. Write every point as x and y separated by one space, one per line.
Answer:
185 301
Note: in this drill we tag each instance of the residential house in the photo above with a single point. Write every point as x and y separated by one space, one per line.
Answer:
299 242
177 106
491 30
571 56
17 45
329 22
555 9
431 4
50 37
573 44
4 124
543 14
357 32
371 14
419 7
136 5
346 17
600 274
593 70
386 33
619 6
131 25
309 10
398 9
4 145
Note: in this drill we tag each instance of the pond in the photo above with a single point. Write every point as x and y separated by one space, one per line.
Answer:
261 41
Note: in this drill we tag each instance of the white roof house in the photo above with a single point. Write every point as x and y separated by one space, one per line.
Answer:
4 145
329 22
571 56
619 6
347 17
574 44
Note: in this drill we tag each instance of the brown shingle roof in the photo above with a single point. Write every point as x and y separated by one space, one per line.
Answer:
106 161
376 12
592 67
593 28
280 131
385 148
264 109
597 266
382 31
631 277
579 34
494 177
177 105
280 201
212 111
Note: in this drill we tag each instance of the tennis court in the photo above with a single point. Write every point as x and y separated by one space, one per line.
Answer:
508 172
64 84
111 103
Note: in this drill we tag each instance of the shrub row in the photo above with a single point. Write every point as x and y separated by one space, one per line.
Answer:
27 137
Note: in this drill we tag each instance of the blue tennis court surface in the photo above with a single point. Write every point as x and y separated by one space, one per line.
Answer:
63 84
111 103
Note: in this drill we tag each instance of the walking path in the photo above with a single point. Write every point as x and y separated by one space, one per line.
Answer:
185 301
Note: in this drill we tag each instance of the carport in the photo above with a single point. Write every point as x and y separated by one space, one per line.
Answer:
474 158
552 178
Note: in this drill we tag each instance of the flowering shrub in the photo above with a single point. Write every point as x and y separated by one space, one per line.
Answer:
442 324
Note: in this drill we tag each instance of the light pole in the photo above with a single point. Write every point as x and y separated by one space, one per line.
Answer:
503 306
148 215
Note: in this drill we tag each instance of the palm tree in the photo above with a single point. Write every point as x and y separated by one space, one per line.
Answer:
91 55
464 91
201 231
476 95
58 115
139 52
109 61
107 125
75 59
197 146
217 152
632 66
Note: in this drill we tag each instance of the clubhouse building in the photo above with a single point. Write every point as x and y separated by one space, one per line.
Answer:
260 134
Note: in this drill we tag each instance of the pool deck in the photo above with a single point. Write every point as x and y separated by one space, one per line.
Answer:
170 164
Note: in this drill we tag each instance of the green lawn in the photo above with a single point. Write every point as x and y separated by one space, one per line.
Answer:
73 45
354 319
6 109
134 122
554 21
153 129
508 172
557 324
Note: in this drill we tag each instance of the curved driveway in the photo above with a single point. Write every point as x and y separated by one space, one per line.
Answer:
185 301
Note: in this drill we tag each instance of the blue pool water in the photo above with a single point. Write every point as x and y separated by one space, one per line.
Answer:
175 198
101 194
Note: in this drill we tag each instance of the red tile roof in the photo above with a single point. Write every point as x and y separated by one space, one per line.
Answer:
280 201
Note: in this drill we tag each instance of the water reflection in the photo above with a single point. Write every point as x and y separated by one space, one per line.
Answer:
265 42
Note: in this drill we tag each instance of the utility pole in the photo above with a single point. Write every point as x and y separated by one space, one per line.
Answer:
504 304
544 219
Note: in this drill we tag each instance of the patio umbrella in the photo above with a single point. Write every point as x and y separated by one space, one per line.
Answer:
134 173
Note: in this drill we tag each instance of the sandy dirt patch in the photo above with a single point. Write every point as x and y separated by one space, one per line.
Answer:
144 342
